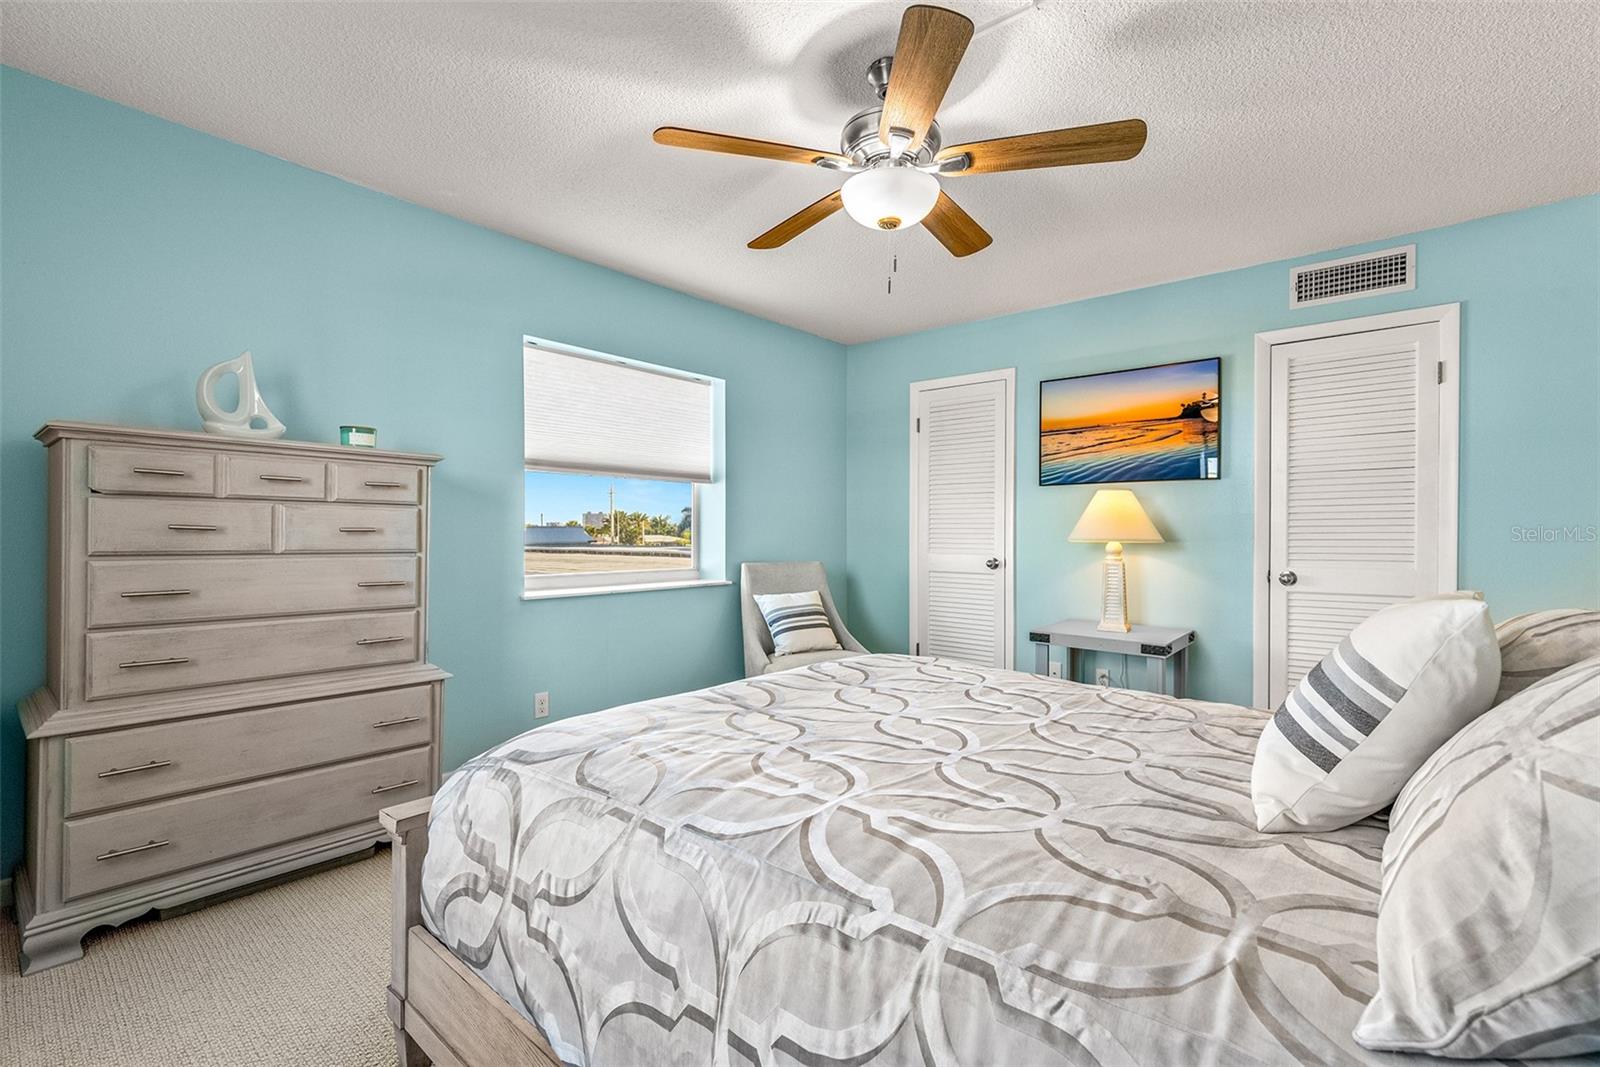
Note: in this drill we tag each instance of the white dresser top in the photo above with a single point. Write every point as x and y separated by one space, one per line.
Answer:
51 432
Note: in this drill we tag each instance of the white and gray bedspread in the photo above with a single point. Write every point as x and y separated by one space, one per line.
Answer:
898 860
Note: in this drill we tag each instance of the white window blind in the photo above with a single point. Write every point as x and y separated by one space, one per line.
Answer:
595 415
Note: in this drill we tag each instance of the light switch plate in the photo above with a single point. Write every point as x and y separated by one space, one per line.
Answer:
541 705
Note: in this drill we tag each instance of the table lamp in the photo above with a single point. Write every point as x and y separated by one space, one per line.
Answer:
1114 516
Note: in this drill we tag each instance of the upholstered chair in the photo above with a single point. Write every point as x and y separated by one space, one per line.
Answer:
763 578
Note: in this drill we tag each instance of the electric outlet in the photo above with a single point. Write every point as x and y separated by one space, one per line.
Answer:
1102 677
541 705
1055 668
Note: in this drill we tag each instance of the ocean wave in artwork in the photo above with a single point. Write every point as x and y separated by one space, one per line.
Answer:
1155 450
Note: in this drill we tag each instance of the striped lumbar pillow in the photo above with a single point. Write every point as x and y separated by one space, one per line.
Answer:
1345 741
797 622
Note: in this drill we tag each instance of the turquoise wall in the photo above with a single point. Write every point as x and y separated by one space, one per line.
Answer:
137 252
1530 434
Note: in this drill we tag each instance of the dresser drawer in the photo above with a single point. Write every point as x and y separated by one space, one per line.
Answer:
121 767
166 472
134 526
157 658
331 528
134 592
263 476
375 483
133 844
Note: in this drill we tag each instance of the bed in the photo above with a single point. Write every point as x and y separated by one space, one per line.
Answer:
881 860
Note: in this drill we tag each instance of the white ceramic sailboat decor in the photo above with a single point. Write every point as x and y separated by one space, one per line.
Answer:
241 421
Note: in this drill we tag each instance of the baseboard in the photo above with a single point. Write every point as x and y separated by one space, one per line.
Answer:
5 892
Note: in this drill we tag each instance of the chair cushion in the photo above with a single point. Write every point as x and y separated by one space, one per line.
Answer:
1540 643
797 622
803 659
1345 741
1488 929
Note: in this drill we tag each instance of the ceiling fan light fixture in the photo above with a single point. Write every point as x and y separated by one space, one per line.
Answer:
890 197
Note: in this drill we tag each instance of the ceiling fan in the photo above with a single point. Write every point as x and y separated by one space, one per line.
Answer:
895 155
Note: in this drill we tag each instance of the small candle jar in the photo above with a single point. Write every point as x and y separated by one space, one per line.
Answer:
358 436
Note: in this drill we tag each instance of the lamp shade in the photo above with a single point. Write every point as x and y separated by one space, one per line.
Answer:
889 198
1115 515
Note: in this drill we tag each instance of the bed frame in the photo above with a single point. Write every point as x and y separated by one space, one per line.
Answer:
443 1013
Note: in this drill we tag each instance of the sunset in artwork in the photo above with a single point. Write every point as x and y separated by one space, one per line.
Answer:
1148 424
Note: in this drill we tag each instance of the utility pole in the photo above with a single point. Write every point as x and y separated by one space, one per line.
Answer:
613 505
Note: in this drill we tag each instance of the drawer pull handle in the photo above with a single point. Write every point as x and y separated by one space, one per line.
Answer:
280 477
152 765
396 722
114 853
385 485
382 585
168 662
358 529
196 526
397 785
157 592
380 640
162 471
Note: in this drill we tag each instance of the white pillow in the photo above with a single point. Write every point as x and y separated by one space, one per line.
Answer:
1489 922
1345 741
1540 643
797 622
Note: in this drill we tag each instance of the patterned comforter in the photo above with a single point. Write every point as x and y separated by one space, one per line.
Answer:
898 860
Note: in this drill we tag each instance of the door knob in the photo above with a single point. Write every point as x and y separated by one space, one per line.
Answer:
1287 577
992 564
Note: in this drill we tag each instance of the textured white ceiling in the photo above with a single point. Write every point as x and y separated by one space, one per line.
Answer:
1276 129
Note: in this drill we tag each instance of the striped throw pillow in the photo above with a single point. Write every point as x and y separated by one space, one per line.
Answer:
1344 742
797 622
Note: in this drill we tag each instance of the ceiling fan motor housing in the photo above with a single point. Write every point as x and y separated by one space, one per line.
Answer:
860 139
861 143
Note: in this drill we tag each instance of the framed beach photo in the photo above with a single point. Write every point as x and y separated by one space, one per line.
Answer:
1148 424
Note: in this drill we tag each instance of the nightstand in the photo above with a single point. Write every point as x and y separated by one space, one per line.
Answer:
1158 645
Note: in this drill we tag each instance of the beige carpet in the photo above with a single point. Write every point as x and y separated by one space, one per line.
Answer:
291 975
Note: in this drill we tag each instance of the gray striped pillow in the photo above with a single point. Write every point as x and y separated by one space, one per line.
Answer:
1489 921
797 622
1347 737
1540 643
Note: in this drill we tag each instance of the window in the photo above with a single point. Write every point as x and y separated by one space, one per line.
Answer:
619 462
594 524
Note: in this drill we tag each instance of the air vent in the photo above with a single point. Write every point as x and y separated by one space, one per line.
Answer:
1391 271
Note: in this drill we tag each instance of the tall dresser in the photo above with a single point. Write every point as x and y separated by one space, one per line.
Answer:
237 675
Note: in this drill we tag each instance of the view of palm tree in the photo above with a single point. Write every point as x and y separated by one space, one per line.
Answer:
577 523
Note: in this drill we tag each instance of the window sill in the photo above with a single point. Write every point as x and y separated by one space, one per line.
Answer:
639 587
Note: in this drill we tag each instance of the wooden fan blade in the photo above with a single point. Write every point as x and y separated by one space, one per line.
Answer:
800 222
955 229
932 42
678 137
1109 142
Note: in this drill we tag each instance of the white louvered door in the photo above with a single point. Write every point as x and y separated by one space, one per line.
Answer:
1358 469
962 460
